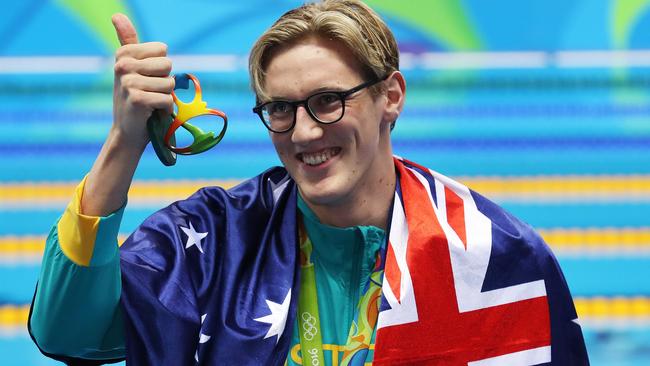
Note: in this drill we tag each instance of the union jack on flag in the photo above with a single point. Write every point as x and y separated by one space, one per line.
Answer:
466 283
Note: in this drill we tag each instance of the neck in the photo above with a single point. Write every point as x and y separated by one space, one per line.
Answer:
368 205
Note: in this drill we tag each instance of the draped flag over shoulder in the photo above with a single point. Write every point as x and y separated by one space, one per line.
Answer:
214 280
465 283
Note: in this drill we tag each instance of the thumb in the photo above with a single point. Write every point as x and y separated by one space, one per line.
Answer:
124 28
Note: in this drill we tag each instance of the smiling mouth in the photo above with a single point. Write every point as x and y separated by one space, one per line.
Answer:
317 158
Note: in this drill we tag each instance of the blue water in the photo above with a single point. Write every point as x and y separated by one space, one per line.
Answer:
501 123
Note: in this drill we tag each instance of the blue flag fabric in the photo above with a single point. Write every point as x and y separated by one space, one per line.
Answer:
210 279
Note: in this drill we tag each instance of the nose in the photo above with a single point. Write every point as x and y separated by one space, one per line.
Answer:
306 128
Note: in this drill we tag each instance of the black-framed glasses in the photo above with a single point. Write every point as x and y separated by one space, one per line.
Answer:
324 107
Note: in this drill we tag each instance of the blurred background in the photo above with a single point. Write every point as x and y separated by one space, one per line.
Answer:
541 105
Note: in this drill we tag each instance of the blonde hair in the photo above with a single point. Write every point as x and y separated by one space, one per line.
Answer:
351 22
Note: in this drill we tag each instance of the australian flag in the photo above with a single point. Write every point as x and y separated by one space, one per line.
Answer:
214 280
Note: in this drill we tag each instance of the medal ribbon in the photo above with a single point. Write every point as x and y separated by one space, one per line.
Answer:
365 316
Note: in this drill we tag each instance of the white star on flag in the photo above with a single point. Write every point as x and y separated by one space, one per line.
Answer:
277 318
193 237
202 339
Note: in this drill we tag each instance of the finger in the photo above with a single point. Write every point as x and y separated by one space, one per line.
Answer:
154 66
152 100
163 102
150 84
142 51
125 30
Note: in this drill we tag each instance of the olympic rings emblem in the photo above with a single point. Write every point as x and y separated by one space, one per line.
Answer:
308 326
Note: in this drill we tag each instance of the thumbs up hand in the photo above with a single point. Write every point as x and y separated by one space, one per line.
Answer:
142 85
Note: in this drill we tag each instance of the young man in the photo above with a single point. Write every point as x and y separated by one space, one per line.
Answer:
347 255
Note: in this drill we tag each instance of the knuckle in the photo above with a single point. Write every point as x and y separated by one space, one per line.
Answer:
137 97
119 67
121 51
123 65
124 51
127 81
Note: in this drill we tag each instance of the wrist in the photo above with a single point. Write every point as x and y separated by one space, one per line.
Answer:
126 141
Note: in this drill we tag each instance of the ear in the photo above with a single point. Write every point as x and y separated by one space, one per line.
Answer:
395 96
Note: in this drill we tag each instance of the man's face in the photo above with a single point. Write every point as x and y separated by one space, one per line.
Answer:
337 164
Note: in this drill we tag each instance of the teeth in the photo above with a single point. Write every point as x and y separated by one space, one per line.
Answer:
319 157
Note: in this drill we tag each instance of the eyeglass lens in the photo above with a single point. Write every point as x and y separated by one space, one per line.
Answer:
326 107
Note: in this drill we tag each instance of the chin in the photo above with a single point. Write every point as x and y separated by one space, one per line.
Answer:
322 194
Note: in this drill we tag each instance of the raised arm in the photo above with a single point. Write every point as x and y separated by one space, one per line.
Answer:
142 86
76 315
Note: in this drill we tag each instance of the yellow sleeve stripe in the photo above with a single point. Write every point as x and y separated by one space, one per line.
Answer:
77 232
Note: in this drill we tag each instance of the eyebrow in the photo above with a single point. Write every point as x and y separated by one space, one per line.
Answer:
315 91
